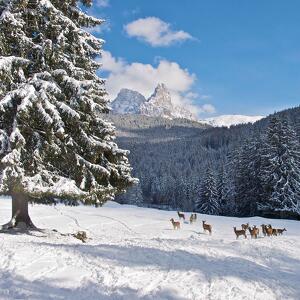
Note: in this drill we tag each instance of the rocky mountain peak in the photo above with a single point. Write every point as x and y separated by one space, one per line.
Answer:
158 105
128 102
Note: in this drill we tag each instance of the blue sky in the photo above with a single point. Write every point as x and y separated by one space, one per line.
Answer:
240 57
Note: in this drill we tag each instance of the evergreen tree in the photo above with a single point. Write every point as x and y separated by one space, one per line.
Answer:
297 126
208 200
53 142
228 203
134 194
280 170
190 194
248 187
225 190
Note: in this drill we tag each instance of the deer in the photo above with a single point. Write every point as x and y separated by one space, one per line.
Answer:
269 230
193 218
176 224
257 229
207 227
245 226
239 232
254 232
264 231
181 215
280 231
274 231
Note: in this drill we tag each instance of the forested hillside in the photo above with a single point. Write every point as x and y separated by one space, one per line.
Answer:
244 170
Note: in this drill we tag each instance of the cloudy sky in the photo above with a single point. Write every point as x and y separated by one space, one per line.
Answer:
217 57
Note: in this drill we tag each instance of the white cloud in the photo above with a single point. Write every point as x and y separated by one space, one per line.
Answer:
145 77
111 64
102 3
208 108
155 32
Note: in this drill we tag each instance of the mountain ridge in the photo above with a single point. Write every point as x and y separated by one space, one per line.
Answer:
160 104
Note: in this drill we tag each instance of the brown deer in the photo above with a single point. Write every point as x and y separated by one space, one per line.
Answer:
207 227
257 229
274 231
239 232
264 231
254 232
269 230
176 224
193 218
280 231
181 215
245 226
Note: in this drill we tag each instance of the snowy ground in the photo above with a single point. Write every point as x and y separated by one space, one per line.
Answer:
135 254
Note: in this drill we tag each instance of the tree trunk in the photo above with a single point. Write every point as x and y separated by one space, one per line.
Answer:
20 209
20 214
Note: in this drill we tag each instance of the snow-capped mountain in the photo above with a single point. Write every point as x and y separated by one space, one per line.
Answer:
229 120
128 102
158 105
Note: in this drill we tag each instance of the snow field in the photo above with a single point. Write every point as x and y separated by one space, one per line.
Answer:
134 253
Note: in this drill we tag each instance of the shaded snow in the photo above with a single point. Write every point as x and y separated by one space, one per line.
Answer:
135 254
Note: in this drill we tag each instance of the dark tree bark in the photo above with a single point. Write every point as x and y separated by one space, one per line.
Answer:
19 212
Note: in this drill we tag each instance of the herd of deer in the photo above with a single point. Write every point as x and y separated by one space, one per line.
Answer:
193 218
267 230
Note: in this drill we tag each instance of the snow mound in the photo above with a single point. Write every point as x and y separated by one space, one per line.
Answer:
134 253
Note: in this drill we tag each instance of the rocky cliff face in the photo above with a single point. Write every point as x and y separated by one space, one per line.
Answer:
128 102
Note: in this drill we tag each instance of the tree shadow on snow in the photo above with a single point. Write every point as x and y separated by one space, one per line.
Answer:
17 287
281 275
36 232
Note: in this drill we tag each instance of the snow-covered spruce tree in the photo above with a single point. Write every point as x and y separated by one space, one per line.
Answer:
280 169
208 201
134 196
53 144
248 187
225 190
228 200
297 127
